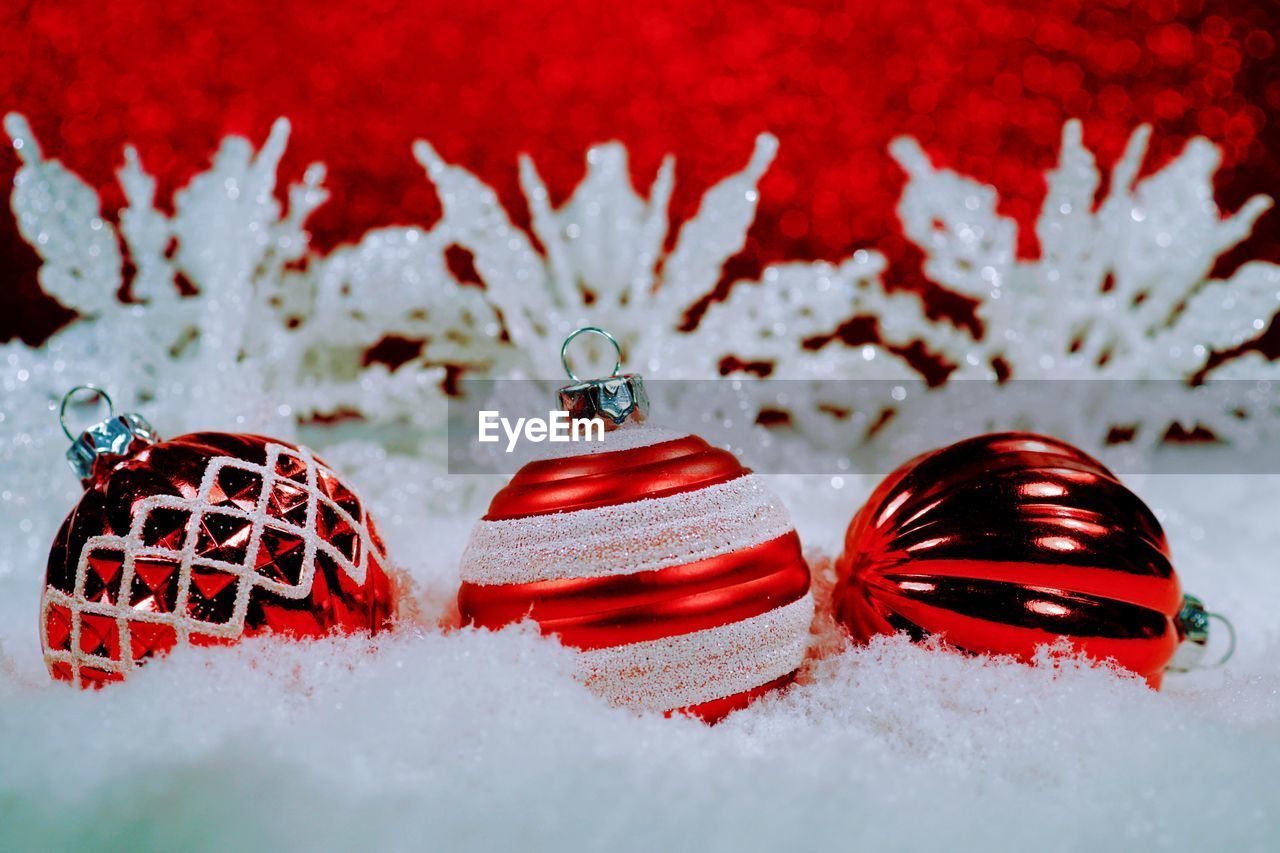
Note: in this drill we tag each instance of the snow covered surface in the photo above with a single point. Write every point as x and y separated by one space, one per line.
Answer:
469 740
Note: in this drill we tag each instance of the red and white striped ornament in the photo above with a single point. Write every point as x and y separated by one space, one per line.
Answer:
670 567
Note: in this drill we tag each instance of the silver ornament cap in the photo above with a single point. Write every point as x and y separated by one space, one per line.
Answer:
616 399
115 437
1192 623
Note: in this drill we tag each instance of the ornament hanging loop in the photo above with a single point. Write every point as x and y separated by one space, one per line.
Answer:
616 399
110 440
1192 622
66 401
1231 640
564 350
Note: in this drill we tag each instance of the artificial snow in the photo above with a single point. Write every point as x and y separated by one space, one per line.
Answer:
471 740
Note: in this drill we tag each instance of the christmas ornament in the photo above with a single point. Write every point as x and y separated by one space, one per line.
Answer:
204 539
669 566
1005 542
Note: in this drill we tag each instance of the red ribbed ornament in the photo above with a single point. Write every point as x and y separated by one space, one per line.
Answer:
205 539
1003 543
663 560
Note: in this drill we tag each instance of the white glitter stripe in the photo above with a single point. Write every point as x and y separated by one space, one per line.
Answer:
626 538
689 669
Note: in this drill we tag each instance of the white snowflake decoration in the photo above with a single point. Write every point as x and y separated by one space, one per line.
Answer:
227 355
277 334
1121 289
1121 292
605 266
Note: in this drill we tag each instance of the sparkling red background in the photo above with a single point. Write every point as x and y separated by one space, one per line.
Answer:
984 84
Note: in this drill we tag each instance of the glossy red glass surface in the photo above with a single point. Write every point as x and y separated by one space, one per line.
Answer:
718 709
590 613
1005 542
210 511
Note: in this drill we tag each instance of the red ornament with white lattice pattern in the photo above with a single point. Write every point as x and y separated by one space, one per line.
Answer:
203 539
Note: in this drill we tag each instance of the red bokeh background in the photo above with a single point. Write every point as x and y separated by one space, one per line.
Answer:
984 84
